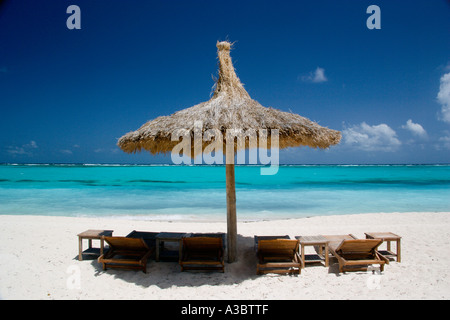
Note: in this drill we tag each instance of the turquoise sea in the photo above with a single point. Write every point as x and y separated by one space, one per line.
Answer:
166 192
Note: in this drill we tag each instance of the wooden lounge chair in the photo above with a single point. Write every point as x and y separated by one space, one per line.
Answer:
202 253
148 237
358 254
258 238
335 240
278 256
126 253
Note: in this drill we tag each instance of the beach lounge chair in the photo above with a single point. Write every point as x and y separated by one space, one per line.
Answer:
357 254
126 253
336 239
202 253
148 237
277 256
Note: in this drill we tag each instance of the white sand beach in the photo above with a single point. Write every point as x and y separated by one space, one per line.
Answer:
39 260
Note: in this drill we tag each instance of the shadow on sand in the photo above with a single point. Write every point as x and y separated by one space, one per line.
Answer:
166 274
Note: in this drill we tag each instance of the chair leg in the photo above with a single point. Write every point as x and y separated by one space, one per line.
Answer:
145 267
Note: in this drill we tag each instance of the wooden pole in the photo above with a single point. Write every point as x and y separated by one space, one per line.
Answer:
231 214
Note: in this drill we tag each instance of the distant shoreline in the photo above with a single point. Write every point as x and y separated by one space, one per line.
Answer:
223 219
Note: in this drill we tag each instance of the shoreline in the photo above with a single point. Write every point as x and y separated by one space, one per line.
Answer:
39 260
149 219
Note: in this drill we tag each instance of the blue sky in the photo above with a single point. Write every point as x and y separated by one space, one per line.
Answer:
66 96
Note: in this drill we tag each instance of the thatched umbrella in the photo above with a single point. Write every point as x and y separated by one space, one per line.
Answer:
229 108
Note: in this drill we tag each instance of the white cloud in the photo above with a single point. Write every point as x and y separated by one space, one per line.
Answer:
32 145
447 67
317 76
415 128
107 150
16 151
25 149
371 138
444 97
443 142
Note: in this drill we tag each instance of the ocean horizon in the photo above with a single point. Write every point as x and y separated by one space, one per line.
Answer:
197 192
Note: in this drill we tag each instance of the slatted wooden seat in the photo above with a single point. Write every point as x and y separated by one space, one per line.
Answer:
202 253
278 256
358 254
126 253
335 240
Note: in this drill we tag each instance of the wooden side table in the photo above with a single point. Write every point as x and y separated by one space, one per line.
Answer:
387 237
320 241
92 235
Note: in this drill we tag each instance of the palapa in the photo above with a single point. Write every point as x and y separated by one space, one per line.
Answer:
230 107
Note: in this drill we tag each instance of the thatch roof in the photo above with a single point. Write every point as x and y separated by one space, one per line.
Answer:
230 107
